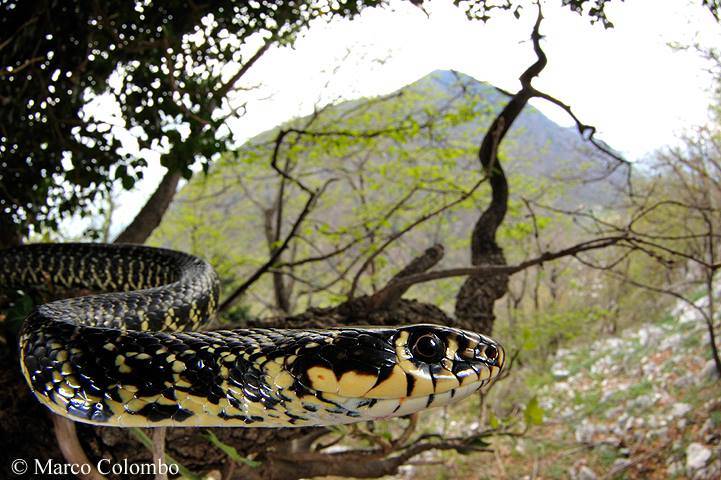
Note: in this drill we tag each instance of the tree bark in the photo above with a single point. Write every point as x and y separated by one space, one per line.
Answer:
477 296
152 212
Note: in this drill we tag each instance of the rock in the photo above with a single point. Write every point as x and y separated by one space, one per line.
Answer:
673 341
585 432
710 432
708 372
614 412
629 423
707 426
696 456
714 470
649 369
643 401
620 464
607 395
621 422
680 409
650 334
567 413
585 473
675 469
612 440
658 433
559 372
685 381
653 421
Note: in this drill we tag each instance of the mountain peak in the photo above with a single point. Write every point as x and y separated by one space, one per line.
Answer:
449 80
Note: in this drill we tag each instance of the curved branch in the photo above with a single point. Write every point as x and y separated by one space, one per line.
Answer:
483 238
495 270
391 293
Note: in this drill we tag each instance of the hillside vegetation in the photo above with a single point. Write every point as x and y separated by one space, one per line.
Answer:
384 165
611 378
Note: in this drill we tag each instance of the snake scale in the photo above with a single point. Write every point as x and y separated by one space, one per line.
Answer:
131 354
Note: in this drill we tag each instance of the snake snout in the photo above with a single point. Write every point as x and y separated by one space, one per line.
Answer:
490 353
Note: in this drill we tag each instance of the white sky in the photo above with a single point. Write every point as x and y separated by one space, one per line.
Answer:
637 91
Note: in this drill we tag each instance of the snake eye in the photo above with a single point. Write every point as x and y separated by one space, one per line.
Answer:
428 348
491 352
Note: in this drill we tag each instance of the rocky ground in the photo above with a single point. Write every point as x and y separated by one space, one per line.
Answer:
645 404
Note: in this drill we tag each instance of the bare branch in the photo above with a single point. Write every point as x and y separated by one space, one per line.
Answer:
390 294
225 88
493 270
405 230
313 197
70 446
159 452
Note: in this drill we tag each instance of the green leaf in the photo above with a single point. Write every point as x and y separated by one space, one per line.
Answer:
533 413
231 451
493 420
148 443
15 315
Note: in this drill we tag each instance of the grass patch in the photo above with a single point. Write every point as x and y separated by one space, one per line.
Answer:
691 341
588 403
606 456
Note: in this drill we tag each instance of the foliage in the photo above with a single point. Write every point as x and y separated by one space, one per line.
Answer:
81 80
595 9
148 443
231 451
390 161
78 76
533 414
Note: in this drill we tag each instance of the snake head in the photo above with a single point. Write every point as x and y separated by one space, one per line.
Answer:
385 372
438 360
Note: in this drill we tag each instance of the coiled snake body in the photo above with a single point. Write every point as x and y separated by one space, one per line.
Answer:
133 357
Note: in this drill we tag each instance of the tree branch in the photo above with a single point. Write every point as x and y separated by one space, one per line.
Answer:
277 253
405 230
69 444
494 270
391 293
152 212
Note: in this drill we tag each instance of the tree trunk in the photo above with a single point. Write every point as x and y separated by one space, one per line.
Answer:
152 212
477 296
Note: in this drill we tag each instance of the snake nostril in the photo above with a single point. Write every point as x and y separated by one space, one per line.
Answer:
491 352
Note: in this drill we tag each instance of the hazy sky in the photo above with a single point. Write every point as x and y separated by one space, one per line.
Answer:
626 81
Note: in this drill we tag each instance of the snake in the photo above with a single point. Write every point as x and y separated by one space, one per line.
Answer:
132 351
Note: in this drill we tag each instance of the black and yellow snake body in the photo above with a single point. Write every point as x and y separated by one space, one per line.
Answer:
134 356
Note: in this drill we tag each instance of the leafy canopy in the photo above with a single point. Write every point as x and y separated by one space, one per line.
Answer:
165 70
165 66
